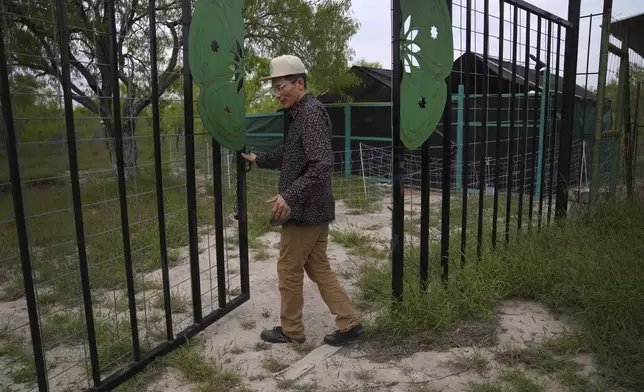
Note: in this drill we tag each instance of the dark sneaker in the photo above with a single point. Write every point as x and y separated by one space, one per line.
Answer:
276 335
338 338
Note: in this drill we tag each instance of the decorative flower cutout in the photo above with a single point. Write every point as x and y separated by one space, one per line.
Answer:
433 32
409 47
422 103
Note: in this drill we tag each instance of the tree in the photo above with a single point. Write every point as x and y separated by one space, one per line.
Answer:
316 30
368 64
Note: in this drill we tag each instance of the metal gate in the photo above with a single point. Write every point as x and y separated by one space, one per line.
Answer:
117 246
511 123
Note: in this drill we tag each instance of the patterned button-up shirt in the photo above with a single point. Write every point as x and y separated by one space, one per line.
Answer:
305 161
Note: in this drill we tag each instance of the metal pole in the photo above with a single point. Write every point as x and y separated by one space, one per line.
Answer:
621 118
466 130
21 224
537 131
513 89
499 122
601 93
118 133
76 192
526 130
567 108
447 174
191 182
158 169
398 208
483 152
555 127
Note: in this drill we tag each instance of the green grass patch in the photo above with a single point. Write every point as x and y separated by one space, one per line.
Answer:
590 266
272 364
520 382
358 244
474 361
206 373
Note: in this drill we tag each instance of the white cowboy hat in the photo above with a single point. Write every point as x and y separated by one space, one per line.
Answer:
285 65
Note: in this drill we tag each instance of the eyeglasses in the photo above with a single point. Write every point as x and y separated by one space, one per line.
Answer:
277 90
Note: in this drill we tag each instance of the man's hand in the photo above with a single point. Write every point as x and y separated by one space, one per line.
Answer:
281 210
250 157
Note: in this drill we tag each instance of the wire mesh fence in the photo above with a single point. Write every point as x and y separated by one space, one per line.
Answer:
119 210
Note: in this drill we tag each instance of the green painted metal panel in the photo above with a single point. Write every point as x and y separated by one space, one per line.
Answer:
216 54
427 51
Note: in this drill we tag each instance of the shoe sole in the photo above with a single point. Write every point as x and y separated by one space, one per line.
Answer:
358 339
281 342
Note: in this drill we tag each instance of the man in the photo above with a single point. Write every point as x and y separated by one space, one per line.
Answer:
304 207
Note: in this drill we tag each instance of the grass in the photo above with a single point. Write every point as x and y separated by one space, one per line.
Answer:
358 244
206 373
474 361
247 323
262 255
272 364
179 302
23 369
590 267
522 383
293 385
485 386
537 358
302 348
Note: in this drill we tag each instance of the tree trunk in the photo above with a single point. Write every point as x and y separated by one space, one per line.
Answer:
130 151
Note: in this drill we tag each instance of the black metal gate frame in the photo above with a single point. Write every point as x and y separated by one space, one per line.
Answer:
200 321
571 26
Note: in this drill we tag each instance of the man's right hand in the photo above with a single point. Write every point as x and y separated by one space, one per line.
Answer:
250 157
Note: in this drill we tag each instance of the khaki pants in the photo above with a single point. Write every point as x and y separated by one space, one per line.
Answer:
303 248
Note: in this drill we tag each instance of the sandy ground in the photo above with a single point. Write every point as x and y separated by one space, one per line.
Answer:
234 340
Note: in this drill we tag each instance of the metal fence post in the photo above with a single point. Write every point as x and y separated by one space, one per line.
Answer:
347 140
118 133
601 93
567 108
21 224
76 192
459 137
398 207
447 172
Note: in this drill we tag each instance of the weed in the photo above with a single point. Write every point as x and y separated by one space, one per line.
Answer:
180 303
207 374
535 357
292 385
262 255
522 383
485 386
247 323
475 361
423 388
358 244
364 375
564 266
262 346
302 348
236 350
141 380
273 364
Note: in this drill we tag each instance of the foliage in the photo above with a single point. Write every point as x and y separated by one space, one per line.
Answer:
316 30
589 266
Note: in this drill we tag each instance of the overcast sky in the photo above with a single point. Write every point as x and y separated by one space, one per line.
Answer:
374 37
